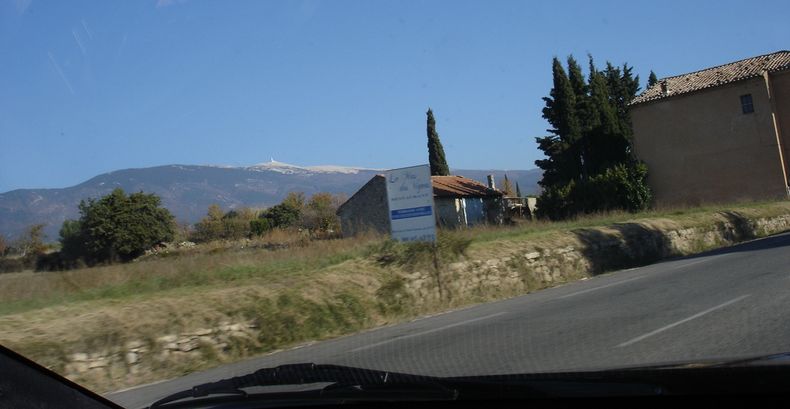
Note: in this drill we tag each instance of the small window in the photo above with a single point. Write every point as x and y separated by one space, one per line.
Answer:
746 104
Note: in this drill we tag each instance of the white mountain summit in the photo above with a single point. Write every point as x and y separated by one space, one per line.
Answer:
287 168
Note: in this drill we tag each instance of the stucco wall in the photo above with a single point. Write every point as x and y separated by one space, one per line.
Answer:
781 87
701 148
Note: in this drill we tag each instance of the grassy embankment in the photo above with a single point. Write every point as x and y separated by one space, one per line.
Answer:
306 291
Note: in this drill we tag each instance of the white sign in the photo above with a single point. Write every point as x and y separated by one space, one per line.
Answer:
410 198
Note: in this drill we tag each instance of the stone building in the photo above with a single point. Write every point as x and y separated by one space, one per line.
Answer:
458 202
717 135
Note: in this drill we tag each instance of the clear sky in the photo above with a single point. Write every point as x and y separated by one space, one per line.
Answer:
88 87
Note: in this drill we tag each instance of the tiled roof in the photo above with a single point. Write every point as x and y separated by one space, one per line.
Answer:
459 186
713 77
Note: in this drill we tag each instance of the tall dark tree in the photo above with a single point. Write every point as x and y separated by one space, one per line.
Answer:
72 242
436 156
563 162
622 87
652 79
608 144
580 148
518 190
589 165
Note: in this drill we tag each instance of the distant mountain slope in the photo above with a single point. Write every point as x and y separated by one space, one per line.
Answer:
188 190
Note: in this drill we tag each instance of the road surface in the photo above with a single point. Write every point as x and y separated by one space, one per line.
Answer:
728 303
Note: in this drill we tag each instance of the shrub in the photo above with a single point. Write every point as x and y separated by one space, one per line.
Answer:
620 187
116 227
259 226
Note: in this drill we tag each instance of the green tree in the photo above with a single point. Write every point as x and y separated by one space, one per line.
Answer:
590 146
210 228
31 244
72 243
436 156
319 213
652 79
518 191
608 143
118 227
236 223
287 213
563 161
3 245
260 226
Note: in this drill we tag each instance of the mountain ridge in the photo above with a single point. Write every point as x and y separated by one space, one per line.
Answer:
188 190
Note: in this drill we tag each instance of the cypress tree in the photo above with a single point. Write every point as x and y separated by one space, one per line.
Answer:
652 79
436 156
563 162
622 87
608 143
589 164
518 190
581 147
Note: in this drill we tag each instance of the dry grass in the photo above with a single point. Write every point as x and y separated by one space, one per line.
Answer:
213 264
309 290
282 253
687 215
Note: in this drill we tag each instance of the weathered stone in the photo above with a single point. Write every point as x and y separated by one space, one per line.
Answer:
167 339
171 346
222 346
532 255
201 332
188 346
206 339
79 357
98 363
134 344
132 358
77 367
236 327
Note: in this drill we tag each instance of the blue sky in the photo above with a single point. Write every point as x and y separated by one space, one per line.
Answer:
88 87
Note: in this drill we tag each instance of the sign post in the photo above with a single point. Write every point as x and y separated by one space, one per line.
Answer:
410 199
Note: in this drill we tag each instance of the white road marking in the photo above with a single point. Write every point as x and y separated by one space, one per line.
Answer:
601 287
426 332
675 324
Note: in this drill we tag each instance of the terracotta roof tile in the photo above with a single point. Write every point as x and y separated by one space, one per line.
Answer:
716 76
454 186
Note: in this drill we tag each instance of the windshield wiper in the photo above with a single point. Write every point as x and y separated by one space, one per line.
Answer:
344 383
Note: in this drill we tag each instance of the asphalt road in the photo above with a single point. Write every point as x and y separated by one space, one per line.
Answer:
722 304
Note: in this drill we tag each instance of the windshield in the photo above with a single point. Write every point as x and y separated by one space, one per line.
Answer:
194 190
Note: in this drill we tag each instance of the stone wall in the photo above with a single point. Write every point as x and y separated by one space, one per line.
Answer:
585 253
136 356
519 267
366 209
